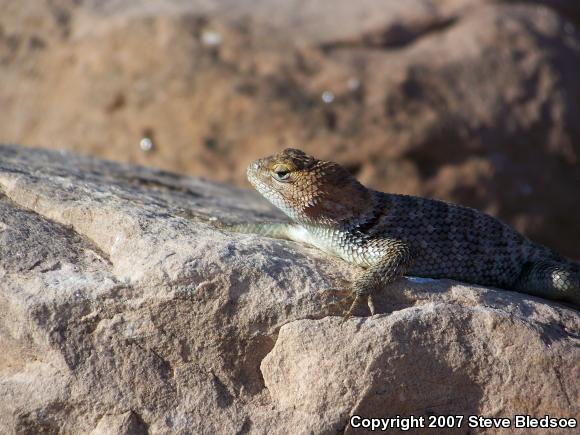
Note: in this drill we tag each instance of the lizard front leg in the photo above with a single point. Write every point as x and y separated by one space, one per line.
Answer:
275 230
394 259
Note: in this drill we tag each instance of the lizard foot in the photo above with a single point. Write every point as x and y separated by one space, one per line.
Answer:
339 299
346 299
356 303
209 220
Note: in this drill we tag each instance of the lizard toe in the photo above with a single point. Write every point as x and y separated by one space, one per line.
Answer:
371 305
355 303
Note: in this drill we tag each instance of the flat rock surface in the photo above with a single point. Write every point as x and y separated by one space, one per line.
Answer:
473 101
122 310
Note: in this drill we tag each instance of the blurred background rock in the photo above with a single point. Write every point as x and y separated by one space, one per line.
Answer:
472 101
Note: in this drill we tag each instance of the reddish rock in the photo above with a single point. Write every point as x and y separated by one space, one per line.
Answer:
470 101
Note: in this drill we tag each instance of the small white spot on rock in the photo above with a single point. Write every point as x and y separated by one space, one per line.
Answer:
328 97
211 38
146 144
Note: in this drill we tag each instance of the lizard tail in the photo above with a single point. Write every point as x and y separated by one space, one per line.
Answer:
551 280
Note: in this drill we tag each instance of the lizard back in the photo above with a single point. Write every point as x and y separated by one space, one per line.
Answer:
456 242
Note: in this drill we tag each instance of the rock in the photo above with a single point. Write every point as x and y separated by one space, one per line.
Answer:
428 359
128 423
123 311
470 101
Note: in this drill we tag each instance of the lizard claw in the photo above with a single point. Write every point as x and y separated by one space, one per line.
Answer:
210 220
347 298
340 291
355 303
353 306
340 297
371 305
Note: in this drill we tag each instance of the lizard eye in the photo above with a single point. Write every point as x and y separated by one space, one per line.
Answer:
281 172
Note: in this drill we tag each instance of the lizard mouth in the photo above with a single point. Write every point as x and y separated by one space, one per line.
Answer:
252 172
254 166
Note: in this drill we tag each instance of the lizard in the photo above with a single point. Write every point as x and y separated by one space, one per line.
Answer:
391 235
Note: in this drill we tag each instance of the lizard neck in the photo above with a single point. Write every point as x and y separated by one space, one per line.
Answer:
347 242
339 206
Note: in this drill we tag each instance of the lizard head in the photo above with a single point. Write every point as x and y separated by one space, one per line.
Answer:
309 190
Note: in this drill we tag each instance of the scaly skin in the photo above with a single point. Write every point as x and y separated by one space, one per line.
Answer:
393 235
